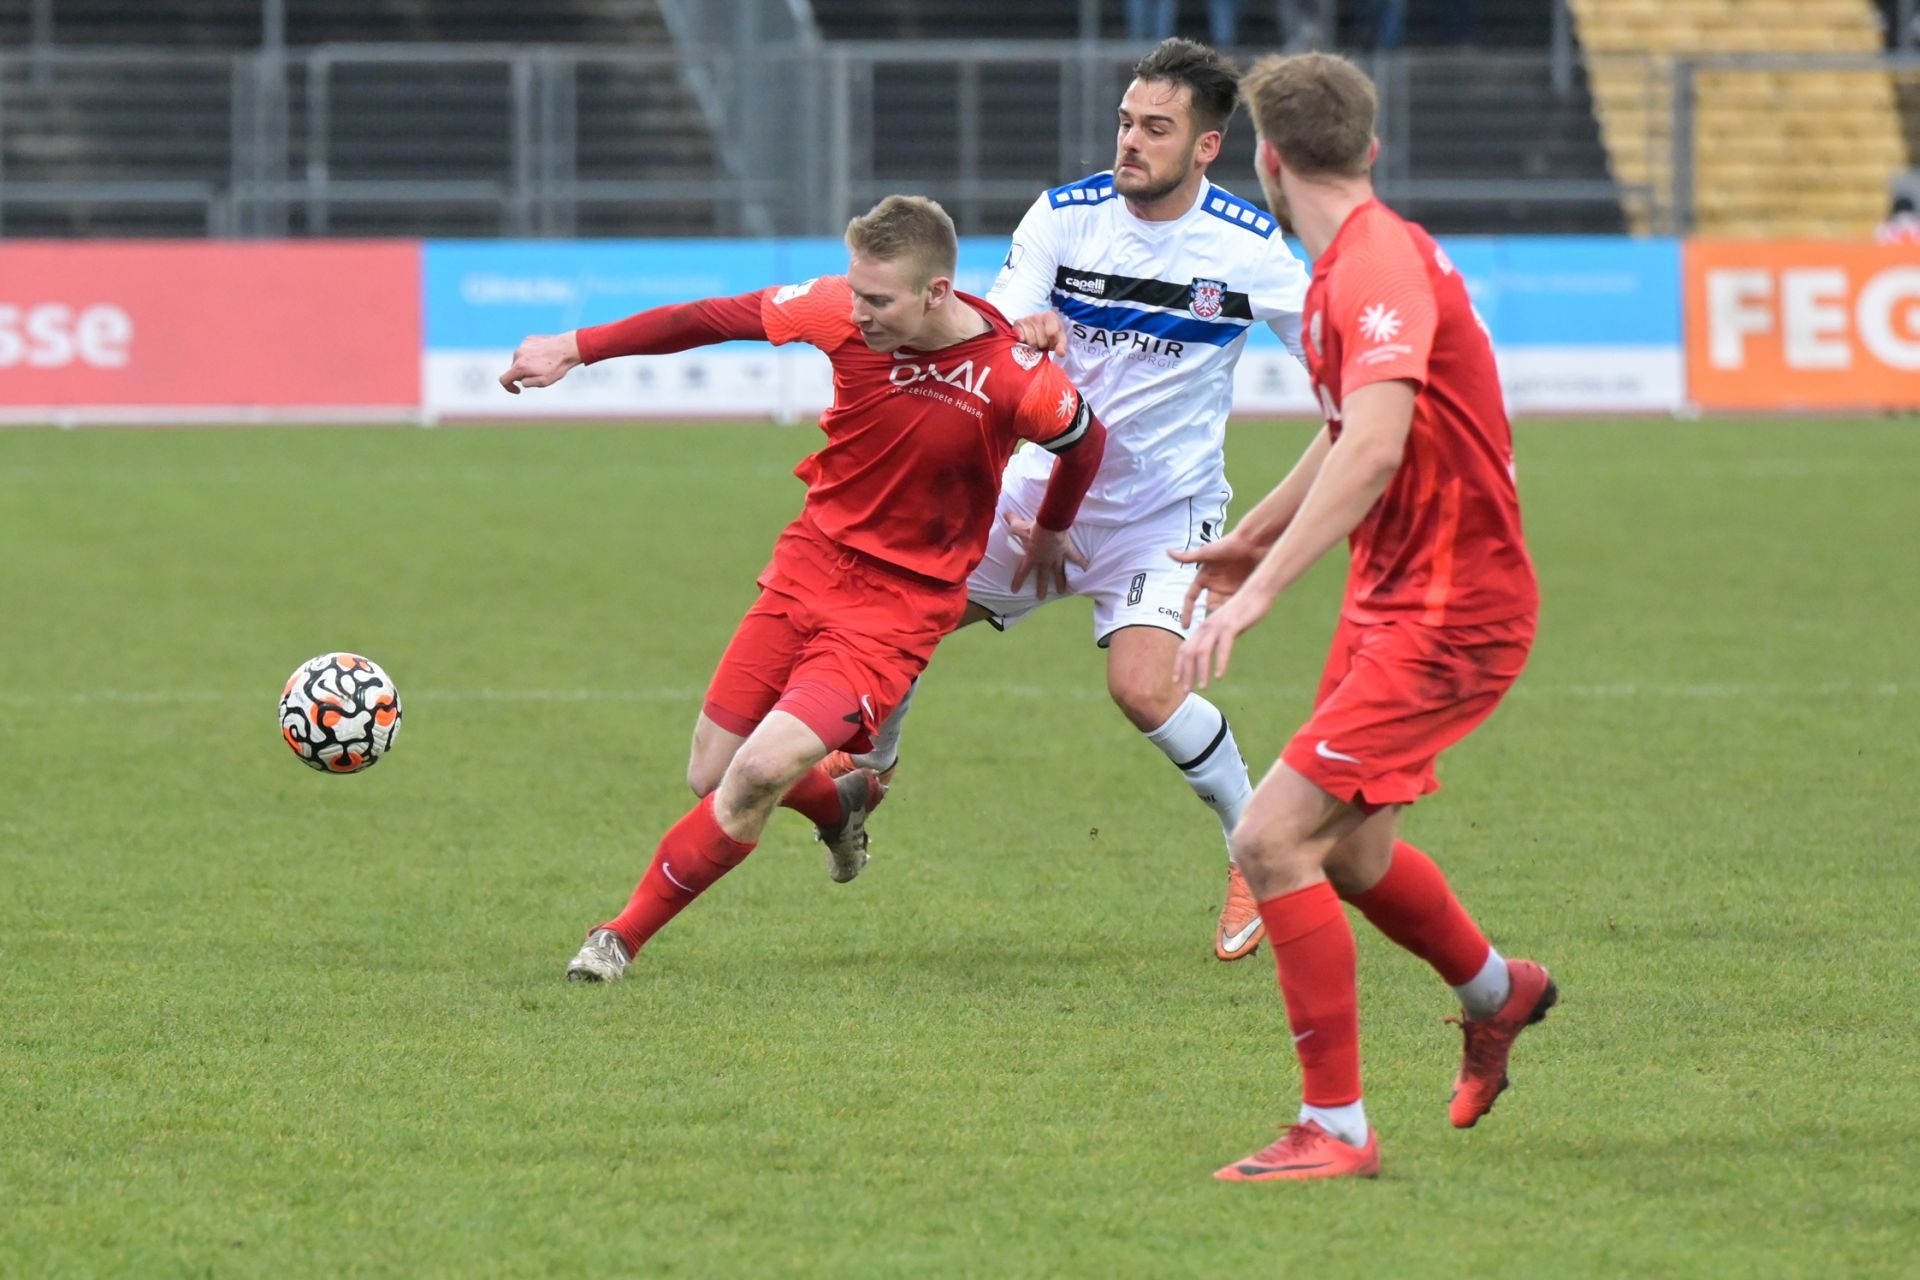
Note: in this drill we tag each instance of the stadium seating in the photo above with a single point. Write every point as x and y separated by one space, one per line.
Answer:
1779 153
235 24
1486 113
1499 24
107 120
108 123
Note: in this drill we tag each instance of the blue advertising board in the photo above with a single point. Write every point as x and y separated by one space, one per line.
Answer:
1579 322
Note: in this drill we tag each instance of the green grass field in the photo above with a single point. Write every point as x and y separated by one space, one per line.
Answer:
256 1021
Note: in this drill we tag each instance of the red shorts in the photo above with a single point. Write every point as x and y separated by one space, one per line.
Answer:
834 639
1394 696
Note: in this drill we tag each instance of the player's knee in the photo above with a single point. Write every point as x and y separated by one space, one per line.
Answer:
1273 859
1147 701
1251 848
756 775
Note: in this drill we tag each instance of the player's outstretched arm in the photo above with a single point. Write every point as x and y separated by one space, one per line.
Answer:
1376 420
1225 565
541 360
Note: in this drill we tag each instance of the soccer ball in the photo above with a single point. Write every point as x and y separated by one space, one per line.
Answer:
340 713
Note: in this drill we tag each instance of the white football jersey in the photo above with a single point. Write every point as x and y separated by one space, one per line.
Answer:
1157 314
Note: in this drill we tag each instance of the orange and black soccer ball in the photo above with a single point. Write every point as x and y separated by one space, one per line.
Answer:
340 713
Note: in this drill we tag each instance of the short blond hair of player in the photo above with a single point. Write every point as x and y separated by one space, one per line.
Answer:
907 227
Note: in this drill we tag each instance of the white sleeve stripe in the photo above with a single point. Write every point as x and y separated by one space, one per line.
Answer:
1071 436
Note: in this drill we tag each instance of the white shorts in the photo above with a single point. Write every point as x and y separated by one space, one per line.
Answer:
1128 576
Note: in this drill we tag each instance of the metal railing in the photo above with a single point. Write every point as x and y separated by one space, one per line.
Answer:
742 138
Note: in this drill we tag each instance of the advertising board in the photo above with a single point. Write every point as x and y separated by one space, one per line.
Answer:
196 331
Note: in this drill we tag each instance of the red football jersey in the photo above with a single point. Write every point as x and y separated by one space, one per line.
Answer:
916 441
1443 545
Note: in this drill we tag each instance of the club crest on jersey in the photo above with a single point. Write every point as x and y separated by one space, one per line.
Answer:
1207 295
1025 356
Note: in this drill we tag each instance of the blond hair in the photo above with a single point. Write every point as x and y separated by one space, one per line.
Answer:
907 226
1317 109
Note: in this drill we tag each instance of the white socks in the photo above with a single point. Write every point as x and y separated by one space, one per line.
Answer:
1348 1123
1483 994
886 739
1196 738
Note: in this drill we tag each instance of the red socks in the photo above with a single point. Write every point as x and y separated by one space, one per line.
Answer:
1313 949
1413 906
816 798
693 854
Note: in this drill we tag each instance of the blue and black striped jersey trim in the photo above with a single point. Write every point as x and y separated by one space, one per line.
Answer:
1160 324
1102 286
1228 207
1087 191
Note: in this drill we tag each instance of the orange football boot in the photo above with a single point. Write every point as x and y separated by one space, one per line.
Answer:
839 764
1240 925
1483 1063
1306 1151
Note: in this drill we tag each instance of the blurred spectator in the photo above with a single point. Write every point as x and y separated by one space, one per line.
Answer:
1305 25
1150 19
1902 225
1459 24
1156 19
1223 22
1888 12
1383 23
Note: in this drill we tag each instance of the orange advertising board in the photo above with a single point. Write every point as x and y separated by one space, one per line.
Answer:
1801 324
180 326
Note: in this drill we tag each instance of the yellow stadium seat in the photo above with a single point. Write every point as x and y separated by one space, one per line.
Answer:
1773 152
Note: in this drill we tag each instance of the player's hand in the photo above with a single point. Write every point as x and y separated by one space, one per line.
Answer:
1204 654
1224 568
1047 555
1044 331
541 360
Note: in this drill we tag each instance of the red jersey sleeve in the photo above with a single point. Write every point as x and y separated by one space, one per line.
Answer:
1051 413
1056 417
673 328
1383 307
817 312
